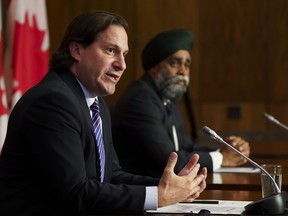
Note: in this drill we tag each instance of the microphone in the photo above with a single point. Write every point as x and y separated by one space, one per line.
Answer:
275 121
215 136
273 204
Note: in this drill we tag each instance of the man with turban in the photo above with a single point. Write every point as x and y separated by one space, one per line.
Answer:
147 125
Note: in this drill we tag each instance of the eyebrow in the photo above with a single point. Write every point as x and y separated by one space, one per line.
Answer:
187 60
115 46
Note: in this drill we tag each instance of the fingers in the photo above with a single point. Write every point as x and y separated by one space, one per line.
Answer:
204 172
235 141
240 144
198 181
200 184
171 162
203 184
198 178
192 197
190 165
191 170
231 158
245 149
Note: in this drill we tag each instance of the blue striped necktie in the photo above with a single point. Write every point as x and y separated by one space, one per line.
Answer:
98 133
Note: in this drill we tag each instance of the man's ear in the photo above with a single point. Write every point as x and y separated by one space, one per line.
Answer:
153 71
74 49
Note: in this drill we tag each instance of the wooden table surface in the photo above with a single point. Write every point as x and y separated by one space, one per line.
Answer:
240 181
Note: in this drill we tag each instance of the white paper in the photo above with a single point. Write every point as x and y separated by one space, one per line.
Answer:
223 207
237 170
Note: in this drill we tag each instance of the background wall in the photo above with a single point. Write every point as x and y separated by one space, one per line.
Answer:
240 55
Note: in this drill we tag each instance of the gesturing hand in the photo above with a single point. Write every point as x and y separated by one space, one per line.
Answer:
187 185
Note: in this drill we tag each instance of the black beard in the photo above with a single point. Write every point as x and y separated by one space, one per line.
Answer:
171 89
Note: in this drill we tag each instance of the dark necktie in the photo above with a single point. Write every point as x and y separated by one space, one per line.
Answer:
98 133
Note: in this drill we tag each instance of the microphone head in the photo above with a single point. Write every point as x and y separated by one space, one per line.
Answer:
212 133
208 131
271 118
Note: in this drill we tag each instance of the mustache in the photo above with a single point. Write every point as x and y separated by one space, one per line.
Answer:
178 78
172 89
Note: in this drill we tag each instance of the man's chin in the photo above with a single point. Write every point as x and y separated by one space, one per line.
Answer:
108 91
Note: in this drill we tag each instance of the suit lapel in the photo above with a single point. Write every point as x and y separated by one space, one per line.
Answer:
75 87
72 82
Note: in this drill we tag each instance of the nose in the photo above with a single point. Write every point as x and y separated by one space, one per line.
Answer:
120 64
183 69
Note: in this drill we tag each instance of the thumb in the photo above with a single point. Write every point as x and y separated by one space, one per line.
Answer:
171 162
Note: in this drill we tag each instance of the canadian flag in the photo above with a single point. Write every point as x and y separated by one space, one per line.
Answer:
3 98
27 54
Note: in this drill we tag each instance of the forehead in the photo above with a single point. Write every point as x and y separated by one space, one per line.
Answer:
115 35
181 54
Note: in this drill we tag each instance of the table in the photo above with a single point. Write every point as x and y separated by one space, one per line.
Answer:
232 186
231 195
240 181
220 195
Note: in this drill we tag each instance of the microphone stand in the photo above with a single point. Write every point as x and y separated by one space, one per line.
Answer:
273 204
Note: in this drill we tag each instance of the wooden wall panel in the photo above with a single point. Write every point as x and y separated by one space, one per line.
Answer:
58 19
221 116
278 51
240 54
234 58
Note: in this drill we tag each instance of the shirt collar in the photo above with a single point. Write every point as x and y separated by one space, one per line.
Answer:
89 98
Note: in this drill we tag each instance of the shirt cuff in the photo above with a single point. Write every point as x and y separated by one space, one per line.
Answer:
151 198
217 159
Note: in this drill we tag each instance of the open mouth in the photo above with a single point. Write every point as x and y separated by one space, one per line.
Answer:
181 82
113 77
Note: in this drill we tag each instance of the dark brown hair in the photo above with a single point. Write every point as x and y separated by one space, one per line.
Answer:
83 29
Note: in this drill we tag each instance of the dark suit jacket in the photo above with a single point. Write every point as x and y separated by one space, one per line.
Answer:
142 131
49 163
